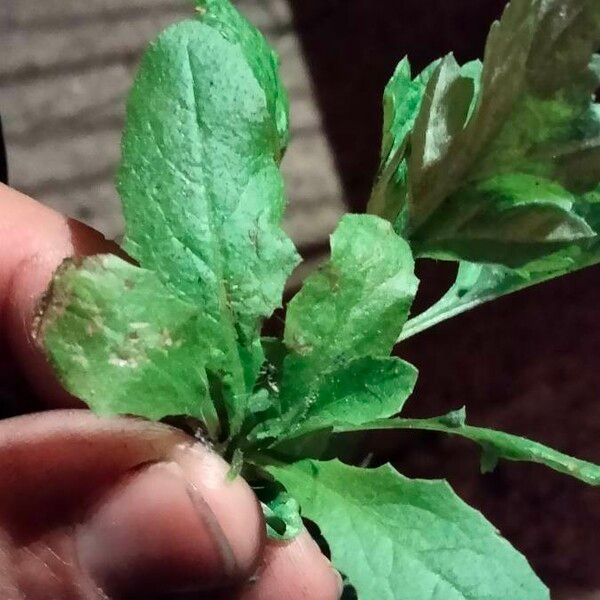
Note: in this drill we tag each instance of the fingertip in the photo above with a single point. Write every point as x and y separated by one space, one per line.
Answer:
34 240
140 509
153 533
231 500
294 570
179 526
28 283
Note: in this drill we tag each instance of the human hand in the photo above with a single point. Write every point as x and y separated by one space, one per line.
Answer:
105 509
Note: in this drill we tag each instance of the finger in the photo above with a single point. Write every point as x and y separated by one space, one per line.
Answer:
34 240
120 507
296 570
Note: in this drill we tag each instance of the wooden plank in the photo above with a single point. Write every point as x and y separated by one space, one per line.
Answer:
63 96
103 212
90 45
56 15
65 13
51 165
311 181
41 108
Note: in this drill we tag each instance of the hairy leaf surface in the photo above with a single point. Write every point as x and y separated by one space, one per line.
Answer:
355 305
351 309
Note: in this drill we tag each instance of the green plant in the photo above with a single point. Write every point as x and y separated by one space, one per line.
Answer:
493 164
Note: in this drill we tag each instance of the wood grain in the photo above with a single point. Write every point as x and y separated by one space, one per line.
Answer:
64 77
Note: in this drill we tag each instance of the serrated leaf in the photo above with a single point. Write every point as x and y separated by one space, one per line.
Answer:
199 179
495 444
535 116
442 115
402 99
536 86
402 539
124 343
402 103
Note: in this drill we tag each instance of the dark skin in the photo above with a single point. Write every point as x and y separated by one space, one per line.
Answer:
114 508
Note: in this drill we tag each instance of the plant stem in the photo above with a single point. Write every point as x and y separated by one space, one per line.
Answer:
432 316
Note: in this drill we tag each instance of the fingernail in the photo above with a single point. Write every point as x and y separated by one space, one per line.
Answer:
154 532
340 582
232 502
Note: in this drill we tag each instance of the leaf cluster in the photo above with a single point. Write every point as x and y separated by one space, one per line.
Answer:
493 164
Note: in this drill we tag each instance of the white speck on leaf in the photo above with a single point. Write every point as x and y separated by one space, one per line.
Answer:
117 361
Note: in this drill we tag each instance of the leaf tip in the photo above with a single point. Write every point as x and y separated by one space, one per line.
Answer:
456 418
53 302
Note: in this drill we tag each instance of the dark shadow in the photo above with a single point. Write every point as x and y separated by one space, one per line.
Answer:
352 48
527 363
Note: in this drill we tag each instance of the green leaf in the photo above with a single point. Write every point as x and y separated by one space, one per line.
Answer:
534 119
281 511
314 444
122 342
282 517
339 330
356 304
536 88
402 100
352 308
476 284
495 444
511 219
442 115
264 404
200 183
362 390
364 387
402 539
260 402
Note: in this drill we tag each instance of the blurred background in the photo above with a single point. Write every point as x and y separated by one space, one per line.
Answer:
528 364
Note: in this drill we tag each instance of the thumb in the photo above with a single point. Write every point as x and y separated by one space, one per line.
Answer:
116 508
